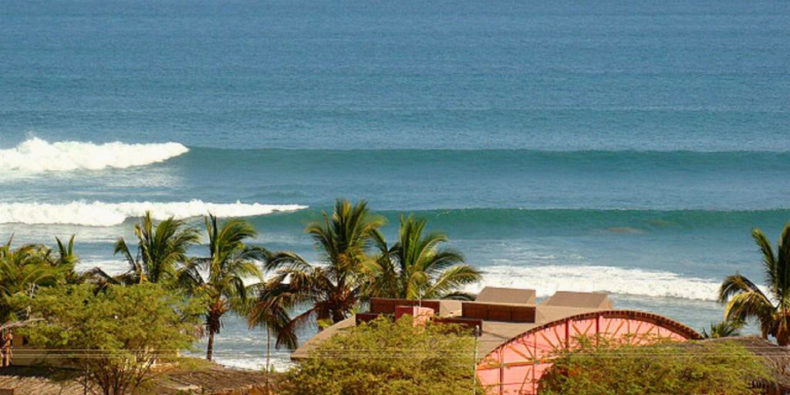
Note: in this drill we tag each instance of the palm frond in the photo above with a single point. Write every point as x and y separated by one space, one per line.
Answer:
770 263
453 278
747 305
722 329
736 284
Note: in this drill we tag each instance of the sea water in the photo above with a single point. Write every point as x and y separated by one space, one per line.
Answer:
593 146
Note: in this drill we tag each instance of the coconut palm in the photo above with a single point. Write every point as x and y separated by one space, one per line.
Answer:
722 329
270 311
68 258
24 269
416 267
230 261
66 254
334 286
160 250
745 299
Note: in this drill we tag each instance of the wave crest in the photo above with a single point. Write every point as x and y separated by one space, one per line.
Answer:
37 155
110 214
590 278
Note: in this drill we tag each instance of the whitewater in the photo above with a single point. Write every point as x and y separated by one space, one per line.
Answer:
38 155
108 214
588 278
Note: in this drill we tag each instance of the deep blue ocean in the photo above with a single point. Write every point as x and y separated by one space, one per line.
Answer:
627 147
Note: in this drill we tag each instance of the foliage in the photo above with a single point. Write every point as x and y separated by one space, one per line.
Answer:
113 335
68 258
722 329
416 268
385 357
271 311
160 250
25 269
663 368
745 300
335 287
230 261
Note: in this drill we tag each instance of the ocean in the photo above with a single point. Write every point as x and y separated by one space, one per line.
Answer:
594 146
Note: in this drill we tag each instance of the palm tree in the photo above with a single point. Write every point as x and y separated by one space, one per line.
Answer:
745 300
416 267
334 287
66 254
722 329
68 258
270 311
159 251
24 269
230 261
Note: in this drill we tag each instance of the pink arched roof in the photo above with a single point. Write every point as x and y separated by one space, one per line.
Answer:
516 366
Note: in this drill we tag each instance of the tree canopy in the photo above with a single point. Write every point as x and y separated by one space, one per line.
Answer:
745 300
663 368
27 268
334 287
113 335
230 261
386 357
417 267
160 249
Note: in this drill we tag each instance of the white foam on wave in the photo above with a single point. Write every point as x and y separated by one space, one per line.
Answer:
37 155
591 278
278 362
110 214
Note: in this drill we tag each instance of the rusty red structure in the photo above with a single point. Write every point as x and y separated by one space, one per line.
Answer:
516 366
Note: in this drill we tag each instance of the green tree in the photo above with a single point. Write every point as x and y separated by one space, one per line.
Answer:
113 335
417 268
160 250
662 368
68 258
230 261
722 329
270 311
334 287
745 300
385 357
25 269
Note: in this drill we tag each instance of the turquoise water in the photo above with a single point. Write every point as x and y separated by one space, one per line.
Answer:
610 146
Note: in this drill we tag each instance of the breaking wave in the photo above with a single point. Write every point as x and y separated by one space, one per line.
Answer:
589 278
110 214
36 155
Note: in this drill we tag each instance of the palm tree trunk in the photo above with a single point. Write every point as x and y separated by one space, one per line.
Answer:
783 332
268 355
210 347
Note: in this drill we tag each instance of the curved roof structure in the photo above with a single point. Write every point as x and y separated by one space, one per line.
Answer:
519 338
516 365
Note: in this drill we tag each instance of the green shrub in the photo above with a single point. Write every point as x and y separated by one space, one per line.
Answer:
663 368
114 335
385 357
